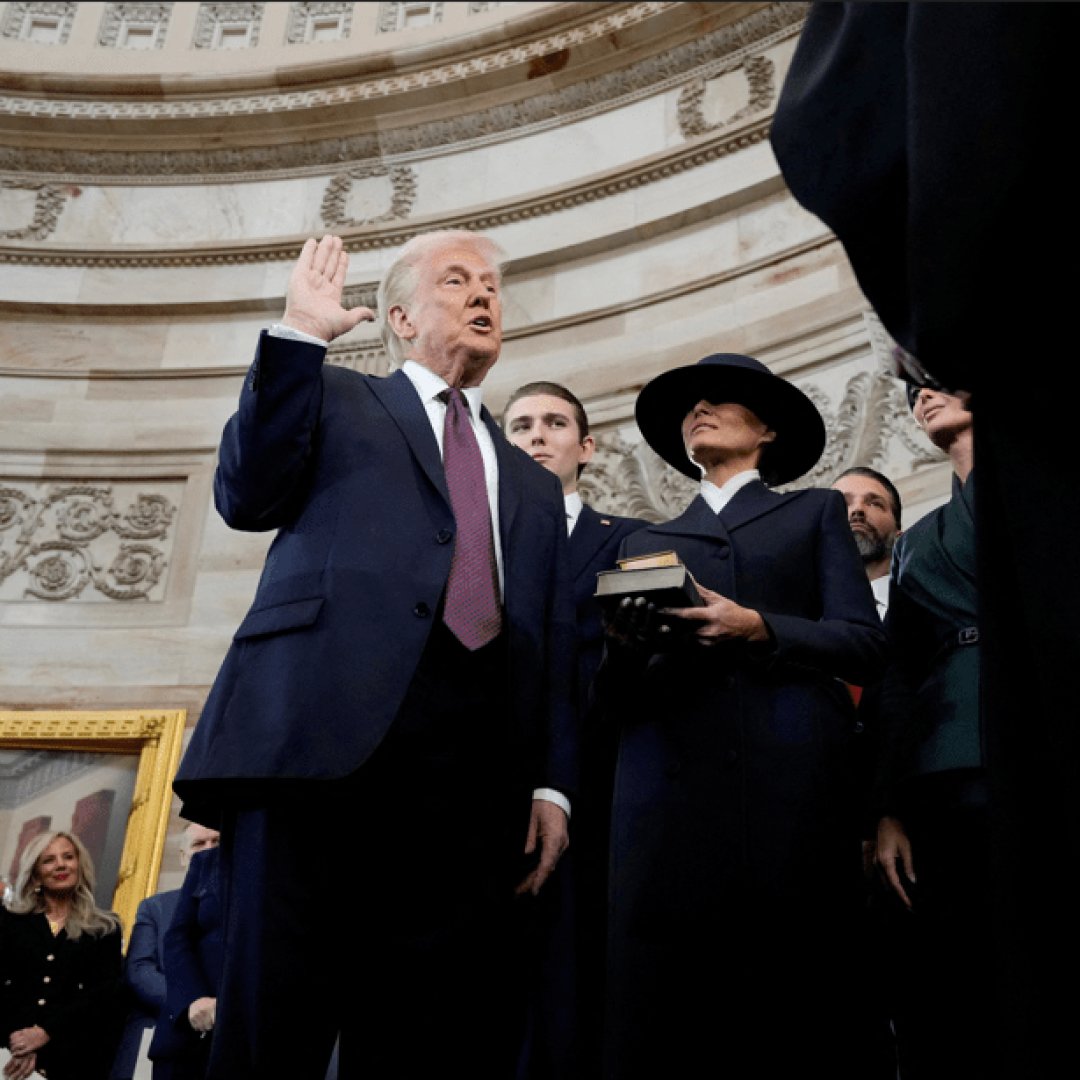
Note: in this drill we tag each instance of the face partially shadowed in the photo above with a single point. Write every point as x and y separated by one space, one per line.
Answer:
942 416
724 433
199 839
547 430
57 868
870 516
453 322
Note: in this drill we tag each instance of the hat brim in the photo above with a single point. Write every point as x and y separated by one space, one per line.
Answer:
800 431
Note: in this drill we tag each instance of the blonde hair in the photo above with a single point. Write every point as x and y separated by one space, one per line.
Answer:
398 284
84 916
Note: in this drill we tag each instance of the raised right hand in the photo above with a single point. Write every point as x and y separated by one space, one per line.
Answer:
313 298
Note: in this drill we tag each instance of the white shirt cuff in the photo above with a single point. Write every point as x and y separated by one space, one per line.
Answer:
557 797
282 331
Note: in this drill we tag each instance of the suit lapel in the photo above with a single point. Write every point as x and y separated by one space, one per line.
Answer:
588 537
400 399
752 502
698 519
746 505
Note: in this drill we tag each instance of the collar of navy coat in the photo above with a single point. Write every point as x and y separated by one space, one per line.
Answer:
400 399
748 504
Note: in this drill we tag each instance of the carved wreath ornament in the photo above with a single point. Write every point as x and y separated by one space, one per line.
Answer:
51 540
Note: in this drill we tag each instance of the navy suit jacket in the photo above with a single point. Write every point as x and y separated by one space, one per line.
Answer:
192 955
144 977
347 469
594 546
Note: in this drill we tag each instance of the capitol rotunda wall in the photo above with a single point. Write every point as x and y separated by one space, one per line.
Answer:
158 178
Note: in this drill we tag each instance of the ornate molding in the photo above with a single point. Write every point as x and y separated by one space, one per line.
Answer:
369 358
215 19
701 59
760 76
16 16
48 205
304 17
633 481
402 180
58 539
120 17
691 156
392 16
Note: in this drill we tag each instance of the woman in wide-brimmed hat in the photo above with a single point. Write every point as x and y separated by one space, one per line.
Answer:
735 852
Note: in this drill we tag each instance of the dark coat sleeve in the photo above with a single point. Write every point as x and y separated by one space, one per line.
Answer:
268 445
193 940
847 640
143 972
914 131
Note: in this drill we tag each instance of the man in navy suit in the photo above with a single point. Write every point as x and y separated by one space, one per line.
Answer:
390 743
550 424
144 976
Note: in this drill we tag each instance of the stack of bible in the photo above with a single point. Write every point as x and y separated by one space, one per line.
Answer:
661 579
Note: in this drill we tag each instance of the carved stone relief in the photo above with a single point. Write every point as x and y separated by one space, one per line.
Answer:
702 59
80 541
224 26
40 24
135 26
360 296
316 22
404 16
369 358
760 77
478 7
397 195
48 203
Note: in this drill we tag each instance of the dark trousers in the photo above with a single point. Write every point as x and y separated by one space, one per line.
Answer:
942 959
381 906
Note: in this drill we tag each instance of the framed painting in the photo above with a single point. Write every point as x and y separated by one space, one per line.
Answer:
104 776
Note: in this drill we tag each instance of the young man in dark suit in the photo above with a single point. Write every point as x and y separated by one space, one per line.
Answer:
392 726
550 424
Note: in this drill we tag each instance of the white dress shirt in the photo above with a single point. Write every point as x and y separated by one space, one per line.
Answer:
881 594
573 510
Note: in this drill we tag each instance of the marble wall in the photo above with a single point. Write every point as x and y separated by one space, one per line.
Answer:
149 219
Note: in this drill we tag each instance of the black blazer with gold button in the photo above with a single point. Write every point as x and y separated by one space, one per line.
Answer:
71 988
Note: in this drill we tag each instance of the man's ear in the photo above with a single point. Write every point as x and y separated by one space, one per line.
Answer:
588 448
397 319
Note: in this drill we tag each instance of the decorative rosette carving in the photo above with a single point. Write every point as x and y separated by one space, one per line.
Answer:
64 540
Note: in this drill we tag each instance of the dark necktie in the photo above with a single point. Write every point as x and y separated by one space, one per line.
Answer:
472 610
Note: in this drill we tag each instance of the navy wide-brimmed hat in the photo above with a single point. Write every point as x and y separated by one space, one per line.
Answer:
728 377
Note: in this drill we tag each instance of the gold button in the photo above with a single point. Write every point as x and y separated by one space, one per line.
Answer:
41 1001
50 957
47 979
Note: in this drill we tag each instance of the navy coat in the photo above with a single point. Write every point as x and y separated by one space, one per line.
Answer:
735 844
570 916
347 469
144 978
192 957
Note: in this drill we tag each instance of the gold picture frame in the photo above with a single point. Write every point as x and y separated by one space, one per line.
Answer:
154 735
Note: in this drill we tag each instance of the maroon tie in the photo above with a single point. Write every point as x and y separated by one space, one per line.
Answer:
472 609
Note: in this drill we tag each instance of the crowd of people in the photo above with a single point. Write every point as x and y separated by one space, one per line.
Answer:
425 693
733 756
